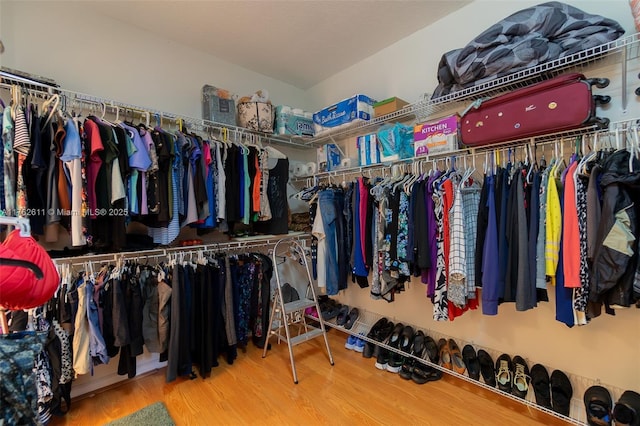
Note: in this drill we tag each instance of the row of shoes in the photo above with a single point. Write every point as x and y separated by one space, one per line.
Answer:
601 411
509 375
405 340
513 376
331 309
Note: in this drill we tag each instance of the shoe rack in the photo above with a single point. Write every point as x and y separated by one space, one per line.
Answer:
580 384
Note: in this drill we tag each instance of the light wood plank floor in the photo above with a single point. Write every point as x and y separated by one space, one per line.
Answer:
261 391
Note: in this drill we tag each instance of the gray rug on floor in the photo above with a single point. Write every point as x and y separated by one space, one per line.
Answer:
154 414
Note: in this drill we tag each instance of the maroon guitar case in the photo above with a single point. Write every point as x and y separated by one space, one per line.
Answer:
559 104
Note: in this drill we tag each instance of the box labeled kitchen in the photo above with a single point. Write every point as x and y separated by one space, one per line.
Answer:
437 136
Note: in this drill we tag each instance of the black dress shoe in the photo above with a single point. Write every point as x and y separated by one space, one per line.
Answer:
486 368
471 361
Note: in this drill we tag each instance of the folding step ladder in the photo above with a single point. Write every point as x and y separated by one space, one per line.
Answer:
285 315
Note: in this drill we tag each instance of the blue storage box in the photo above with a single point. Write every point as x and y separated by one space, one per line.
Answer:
293 121
358 107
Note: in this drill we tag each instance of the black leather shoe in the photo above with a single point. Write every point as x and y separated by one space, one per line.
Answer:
375 329
431 350
486 368
471 361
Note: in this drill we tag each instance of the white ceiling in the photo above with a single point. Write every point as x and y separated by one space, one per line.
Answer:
298 42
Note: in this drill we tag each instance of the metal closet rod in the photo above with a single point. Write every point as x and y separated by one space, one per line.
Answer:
611 136
8 80
166 252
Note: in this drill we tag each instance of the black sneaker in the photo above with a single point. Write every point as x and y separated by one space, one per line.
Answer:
417 350
395 359
504 373
521 378
382 360
382 354
486 368
406 339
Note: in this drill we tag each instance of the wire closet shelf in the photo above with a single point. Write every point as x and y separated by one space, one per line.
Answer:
69 98
627 47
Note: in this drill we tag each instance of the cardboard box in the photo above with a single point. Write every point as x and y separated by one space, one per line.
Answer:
358 107
293 121
437 137
388 106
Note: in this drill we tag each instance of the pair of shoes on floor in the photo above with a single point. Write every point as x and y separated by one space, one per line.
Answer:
401 339
380 332
347 317
601 411
354 343
422 372
450 356
329 309
553 392
387 359
512 376
423 347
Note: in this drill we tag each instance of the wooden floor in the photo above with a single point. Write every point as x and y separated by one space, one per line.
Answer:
261 391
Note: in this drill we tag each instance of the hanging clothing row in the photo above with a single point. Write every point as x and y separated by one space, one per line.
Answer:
93 177
571 223
191 312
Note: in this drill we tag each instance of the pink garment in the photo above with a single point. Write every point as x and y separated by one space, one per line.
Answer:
570 231
362 219
93 165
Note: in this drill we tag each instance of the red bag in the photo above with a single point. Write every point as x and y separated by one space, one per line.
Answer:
19 287
556 105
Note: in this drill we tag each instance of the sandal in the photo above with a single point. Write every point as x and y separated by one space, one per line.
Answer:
351 318
343 312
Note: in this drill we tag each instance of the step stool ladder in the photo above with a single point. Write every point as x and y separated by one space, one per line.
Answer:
285 315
